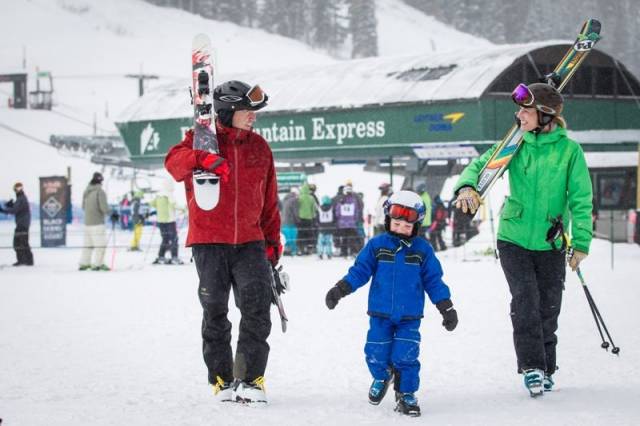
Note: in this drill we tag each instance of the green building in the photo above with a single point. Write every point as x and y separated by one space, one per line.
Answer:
415 116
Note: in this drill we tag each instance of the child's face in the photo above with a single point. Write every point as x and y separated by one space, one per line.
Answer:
401 227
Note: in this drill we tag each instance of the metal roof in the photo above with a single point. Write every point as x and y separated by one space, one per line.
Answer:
355 83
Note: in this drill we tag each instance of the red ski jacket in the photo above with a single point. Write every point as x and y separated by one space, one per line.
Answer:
248 206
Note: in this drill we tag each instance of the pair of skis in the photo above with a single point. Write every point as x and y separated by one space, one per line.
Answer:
566 68
206 185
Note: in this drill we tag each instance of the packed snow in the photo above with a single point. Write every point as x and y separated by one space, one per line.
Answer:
123 347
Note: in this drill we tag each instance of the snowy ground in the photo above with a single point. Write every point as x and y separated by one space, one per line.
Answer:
80 348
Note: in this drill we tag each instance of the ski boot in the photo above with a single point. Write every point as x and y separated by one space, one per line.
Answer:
222 390
547 382
102 267
175 261
159 261
84 267
407 404
533 379
249 392
378 390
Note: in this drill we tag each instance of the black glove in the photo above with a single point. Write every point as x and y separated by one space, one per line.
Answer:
281 279
9 204
337 292
449 315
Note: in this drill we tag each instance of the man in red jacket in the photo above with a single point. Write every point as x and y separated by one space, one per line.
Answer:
236 244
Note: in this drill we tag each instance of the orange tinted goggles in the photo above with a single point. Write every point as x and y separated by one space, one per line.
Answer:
255 95
397 211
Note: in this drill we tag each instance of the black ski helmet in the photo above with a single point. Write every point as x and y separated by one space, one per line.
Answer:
236 95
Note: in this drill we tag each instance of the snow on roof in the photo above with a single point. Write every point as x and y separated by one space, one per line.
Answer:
9 71
612 159
355 83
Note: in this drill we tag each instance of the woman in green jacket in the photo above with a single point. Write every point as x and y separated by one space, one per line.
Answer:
549 183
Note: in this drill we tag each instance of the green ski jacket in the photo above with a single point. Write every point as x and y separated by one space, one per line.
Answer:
548 178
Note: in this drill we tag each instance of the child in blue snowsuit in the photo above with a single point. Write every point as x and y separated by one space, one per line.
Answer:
402 268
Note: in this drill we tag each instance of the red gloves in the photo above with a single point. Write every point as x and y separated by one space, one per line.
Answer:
214 163
273 253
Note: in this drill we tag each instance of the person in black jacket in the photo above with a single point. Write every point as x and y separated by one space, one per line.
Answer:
20 208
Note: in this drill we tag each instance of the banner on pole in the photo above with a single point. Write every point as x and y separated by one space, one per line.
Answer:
53 211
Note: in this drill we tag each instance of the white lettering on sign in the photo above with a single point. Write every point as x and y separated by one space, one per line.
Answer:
343 131
323 131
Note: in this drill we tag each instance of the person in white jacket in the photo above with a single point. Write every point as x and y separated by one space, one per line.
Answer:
378 222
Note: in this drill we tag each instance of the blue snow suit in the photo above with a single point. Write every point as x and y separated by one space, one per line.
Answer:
402 271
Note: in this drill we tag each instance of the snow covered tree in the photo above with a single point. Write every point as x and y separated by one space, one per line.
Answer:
363 28
328 29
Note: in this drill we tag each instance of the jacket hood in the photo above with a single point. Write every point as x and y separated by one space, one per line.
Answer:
305 189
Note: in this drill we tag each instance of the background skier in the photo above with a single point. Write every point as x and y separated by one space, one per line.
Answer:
426 199
307 212
290 222
235 244
348 214
439 216
22 212
385 192
397 257
326 228
94 204
165 212
137 219
548 179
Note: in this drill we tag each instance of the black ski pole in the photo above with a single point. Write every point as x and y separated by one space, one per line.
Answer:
605 345
597 316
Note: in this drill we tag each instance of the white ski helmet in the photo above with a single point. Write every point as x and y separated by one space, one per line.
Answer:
406 205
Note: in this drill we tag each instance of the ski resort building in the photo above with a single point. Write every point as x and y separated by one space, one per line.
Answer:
414 116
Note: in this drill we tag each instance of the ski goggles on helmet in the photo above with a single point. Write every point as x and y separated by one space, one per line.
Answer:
396 211
524 97
256 96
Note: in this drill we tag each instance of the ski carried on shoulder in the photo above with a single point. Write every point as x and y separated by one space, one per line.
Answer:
206 185
279 284
566 68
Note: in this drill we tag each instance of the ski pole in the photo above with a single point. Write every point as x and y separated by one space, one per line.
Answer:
587 293
153 231
113 236
597 316
113 247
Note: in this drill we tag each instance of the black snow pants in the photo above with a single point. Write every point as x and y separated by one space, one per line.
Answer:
169 234
536 282
21 246
245 269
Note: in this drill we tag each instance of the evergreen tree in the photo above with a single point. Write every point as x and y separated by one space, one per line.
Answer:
327 29
363 28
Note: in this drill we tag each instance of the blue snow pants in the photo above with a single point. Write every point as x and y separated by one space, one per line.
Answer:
325 244
291 236
395 345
